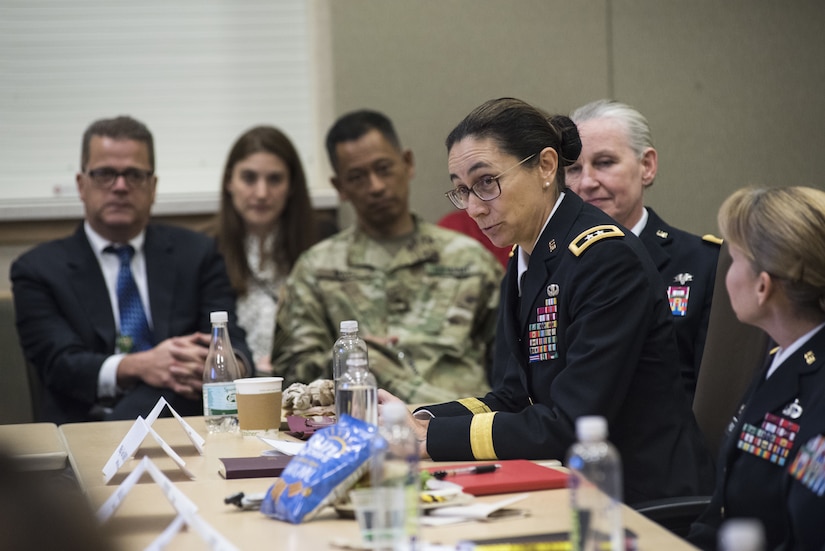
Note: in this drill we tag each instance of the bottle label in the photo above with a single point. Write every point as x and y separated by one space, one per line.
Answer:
219 399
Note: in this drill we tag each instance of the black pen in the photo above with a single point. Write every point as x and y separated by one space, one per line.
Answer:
480 469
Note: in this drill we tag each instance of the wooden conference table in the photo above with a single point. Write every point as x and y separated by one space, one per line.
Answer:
34 446
145 512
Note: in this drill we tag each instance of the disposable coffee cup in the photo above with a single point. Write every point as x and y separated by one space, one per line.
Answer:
259 404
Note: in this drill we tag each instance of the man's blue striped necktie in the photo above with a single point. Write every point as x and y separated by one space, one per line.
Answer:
135 335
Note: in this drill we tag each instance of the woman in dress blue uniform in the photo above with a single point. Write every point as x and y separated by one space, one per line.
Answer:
617 164
772 464
584 326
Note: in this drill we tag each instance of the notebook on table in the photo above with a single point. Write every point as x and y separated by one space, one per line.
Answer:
262 466
514 475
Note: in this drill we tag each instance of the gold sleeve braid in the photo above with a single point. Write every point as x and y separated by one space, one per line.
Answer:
481 436
474 405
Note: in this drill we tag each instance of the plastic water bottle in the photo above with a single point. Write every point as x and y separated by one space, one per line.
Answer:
357 393
742 534
346 343
220 409
394 471
595 484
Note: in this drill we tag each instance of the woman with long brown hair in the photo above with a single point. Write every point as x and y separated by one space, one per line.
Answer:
264 223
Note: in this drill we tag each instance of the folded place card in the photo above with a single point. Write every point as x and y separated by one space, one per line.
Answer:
285 447
186 509
139 431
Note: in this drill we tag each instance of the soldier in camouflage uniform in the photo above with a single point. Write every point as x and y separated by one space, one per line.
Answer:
425 298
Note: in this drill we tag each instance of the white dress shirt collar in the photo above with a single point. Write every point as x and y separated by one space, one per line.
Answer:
99 242
783 354
523 257
640 225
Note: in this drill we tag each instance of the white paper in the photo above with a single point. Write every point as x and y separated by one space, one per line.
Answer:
126 449
171 453
473 511
166 537
110 506
153 415
212 537
286 447
197 440
185 507
178 499
138 432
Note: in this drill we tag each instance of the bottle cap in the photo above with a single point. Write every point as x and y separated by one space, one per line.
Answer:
742 534
591 428
393 412
349 326
218 317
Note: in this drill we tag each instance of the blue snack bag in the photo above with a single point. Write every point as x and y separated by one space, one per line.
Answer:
332 461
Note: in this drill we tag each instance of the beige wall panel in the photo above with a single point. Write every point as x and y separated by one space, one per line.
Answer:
426 64
733 92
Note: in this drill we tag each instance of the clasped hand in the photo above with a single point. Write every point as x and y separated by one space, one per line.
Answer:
175 363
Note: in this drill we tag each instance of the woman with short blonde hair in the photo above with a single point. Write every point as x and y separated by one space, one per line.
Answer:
774 452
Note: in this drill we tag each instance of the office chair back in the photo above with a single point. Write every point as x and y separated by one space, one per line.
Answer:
734 353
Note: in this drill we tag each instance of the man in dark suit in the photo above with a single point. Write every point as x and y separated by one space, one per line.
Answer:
71 294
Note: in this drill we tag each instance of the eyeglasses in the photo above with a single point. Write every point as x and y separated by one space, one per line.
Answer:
486 189
106 177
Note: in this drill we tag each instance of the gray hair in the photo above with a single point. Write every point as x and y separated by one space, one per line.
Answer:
635 124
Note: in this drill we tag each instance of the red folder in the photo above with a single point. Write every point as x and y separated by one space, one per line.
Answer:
515 475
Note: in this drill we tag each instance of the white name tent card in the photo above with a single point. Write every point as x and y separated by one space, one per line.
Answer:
284 447
186 509
166 537
196 439
138 433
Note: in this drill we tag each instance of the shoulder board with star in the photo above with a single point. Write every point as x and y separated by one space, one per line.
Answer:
593 235
710 238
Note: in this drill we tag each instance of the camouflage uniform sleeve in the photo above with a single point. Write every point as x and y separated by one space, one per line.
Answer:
397 379
486 318
302 345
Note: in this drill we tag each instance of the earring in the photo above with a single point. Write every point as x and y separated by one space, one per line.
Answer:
546 185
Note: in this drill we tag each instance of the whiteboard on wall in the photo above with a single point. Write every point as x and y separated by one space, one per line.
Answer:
197 73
